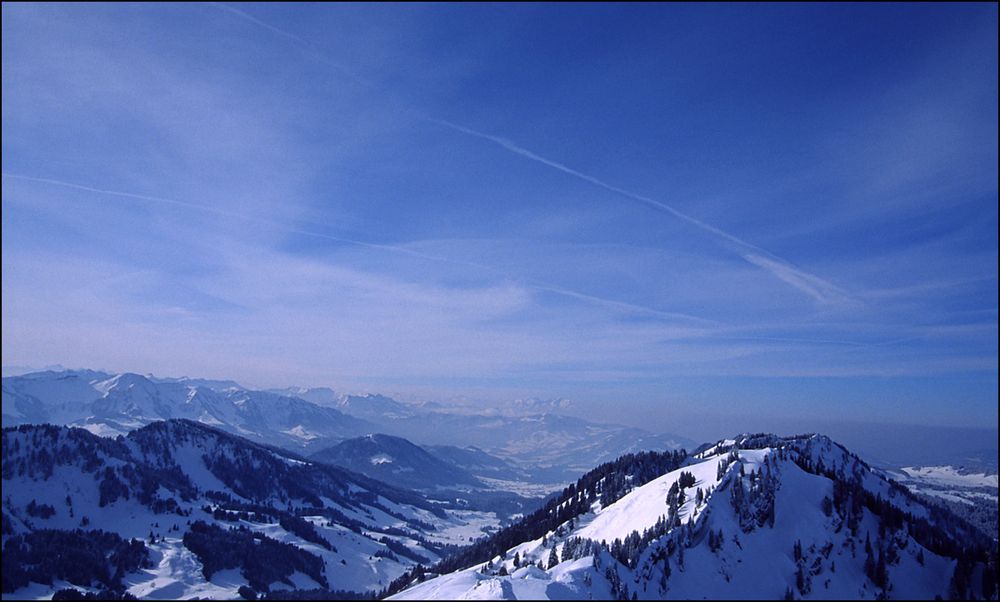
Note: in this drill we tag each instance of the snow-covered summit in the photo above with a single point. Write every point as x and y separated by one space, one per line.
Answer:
754 516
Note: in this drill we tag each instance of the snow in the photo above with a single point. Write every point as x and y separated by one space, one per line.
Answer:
300 432
465 526
949 476
112 405
288 460
190 458
299 581
949 483
177 575
713 451
522 488
641 508
39 591
564 582
951 497
758 564
176 572
206 418
102 429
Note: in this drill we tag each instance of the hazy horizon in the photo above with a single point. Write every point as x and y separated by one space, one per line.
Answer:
673 215
890 443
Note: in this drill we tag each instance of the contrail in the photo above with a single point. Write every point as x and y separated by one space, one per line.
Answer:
811 285
528 283
520 150
814 286
242 216
303 44
618 304
256 21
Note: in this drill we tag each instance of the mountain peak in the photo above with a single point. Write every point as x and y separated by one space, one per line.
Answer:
753 516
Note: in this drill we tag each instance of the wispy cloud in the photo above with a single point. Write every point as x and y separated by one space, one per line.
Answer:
347 197
925 287
303 44
781 268
812 285
533 284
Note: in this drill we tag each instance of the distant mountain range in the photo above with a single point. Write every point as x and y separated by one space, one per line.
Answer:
540 448
109 404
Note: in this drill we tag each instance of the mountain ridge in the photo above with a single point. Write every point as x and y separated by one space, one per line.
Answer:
755 516
543 448
180 485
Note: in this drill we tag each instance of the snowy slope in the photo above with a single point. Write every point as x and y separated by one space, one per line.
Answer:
396 460
777 517
47 396
162 478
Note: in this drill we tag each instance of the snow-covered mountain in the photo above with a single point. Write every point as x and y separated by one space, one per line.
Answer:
545 450
479 463
115 404
533 434
404 464
375 407
552 448
398 461
321 396
754 517
210 512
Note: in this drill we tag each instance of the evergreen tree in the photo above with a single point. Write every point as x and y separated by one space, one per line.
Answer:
686 480
554 557
881 574
989 581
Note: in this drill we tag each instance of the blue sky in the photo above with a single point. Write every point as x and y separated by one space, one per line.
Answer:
666 214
